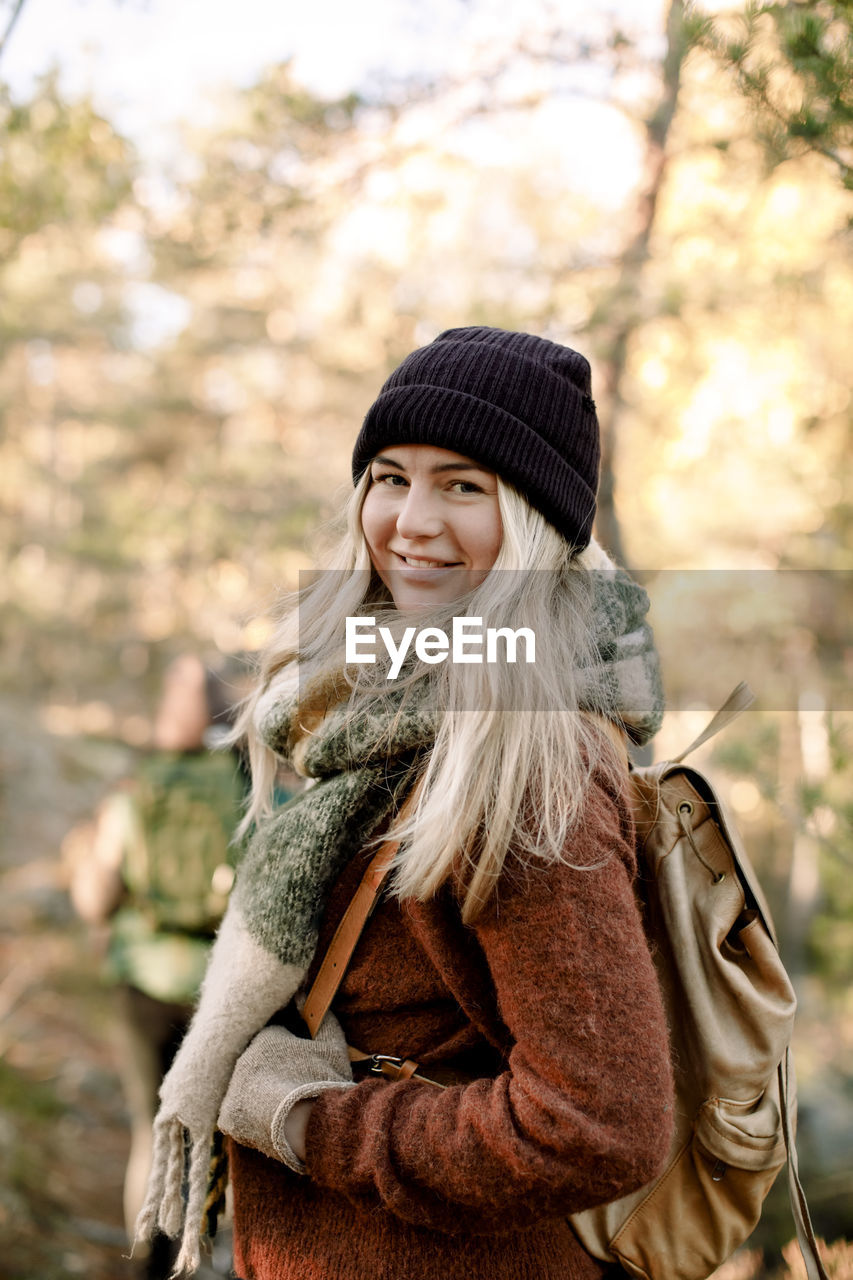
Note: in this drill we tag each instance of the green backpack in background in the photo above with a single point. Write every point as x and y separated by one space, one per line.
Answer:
179 860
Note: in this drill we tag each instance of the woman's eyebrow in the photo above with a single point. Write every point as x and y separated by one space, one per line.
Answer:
440 466
388 462
459 466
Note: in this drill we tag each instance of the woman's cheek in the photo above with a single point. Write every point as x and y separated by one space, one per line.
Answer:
378 518
369 516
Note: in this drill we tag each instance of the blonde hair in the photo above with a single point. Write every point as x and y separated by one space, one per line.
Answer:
513 753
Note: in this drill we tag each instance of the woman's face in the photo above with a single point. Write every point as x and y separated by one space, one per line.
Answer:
431 522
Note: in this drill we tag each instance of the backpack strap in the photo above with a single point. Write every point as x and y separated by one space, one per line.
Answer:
738 700
346 936
799 1207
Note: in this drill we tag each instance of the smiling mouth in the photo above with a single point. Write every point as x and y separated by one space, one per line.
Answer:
418 562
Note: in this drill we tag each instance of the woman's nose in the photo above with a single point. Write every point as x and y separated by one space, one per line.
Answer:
419 516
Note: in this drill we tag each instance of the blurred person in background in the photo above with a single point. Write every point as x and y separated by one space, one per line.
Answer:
156 864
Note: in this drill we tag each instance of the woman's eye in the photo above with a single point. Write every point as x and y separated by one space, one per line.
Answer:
466 486
392 478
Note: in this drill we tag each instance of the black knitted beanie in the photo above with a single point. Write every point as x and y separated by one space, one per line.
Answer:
519 404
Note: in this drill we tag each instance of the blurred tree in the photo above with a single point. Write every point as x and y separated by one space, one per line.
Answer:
149 329
828 810
253 392
793 63
65 177
61 164
186 417
620 308
8 20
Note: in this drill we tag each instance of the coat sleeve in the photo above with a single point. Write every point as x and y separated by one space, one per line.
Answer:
583 1113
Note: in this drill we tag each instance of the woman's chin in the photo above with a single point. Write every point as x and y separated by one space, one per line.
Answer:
421 600
418 590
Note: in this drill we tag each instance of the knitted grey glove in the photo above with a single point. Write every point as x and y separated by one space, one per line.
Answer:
272 1075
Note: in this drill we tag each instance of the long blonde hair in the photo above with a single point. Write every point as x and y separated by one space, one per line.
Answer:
513 754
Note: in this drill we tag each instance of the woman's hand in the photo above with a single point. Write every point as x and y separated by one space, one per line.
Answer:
296 1126
274 1083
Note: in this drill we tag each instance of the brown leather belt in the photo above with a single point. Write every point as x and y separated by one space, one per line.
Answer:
385 1064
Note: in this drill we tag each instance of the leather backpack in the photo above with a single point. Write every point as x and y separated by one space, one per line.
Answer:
730 1007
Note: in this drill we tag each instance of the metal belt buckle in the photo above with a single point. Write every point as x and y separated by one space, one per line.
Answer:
378 1059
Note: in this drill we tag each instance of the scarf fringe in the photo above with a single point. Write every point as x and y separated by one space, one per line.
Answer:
198 1176
243 987
168 1147
175 1165
171 1206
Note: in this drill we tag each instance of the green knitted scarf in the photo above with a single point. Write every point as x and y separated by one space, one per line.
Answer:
361 763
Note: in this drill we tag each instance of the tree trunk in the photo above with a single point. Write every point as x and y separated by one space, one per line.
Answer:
15 15
619 312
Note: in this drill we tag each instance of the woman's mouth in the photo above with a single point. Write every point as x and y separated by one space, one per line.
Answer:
421 562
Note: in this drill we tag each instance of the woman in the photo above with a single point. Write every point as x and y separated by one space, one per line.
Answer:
508 955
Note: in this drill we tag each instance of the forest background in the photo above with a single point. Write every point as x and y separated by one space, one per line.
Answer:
190 334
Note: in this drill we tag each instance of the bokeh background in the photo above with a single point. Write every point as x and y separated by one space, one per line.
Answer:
220 227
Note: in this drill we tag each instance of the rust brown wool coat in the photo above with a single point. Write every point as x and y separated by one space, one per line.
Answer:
551 998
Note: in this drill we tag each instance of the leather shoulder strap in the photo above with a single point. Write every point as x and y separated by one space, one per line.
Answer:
806 1238
343 944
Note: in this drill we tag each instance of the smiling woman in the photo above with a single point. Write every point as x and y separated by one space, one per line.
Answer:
432 523
507 955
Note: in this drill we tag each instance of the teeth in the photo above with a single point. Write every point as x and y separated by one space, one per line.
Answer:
424 564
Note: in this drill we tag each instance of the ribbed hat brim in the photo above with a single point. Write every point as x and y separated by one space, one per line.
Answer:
425 414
